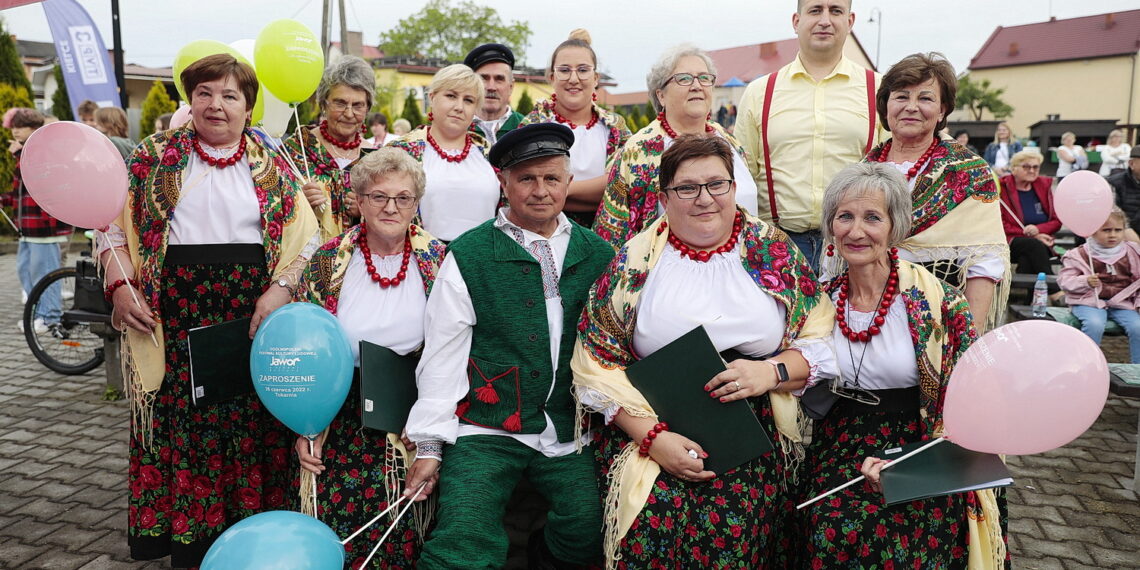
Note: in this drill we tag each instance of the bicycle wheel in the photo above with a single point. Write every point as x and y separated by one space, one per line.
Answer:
61 342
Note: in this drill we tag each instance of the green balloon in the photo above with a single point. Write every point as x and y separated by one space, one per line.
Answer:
290 59
198 49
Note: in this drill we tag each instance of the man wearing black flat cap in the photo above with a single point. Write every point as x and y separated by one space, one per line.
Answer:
495 63
1126 185
494 379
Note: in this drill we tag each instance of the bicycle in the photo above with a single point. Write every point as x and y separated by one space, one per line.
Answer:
76 343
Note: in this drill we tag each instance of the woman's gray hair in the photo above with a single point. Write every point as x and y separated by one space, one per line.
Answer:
349 71
383 162
662 70
865 177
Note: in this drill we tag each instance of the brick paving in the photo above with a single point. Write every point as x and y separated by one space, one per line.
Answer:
63 462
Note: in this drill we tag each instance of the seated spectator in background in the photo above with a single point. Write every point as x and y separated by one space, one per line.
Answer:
112 121
1114 155
86 112
1126 186
999 152
963 139
162 123
1101 280
1070 156
401 127
378 128
1027 215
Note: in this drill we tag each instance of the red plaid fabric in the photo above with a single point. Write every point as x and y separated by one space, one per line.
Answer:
32 220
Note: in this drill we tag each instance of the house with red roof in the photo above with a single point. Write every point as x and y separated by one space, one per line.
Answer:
1072 72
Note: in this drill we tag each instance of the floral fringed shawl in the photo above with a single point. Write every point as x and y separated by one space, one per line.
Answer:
323 170
543 112
155 174
605 348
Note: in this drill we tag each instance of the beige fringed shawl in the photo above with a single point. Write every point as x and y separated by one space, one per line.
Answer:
156 171
605 340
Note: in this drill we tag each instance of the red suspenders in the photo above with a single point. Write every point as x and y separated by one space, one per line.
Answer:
768 90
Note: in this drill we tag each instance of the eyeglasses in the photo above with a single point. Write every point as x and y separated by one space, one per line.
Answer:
1031 167
403 201
341 106
686 79
563 72
852 392
691 191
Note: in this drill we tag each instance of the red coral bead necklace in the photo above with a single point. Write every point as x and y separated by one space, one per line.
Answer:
913 171
885 299
669 128
341 145
703 255
219 162
384 282
449 157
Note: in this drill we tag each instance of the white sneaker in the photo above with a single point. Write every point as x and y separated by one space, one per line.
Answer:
38 325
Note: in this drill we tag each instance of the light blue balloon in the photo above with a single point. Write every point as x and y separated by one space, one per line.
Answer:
276 539
301 363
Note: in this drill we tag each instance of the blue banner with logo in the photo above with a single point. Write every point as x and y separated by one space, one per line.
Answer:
87 70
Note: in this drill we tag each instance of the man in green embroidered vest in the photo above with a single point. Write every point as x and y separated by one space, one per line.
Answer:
494 380
495 63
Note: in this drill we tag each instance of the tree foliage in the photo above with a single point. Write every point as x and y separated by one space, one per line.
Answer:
60 102
385 98
411 110
446 30
157 102
980 97
9 97
11 68
526 104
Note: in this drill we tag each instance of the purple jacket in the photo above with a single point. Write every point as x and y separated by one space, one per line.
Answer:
1074 281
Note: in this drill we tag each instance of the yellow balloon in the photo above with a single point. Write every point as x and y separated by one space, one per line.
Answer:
194 51
289 60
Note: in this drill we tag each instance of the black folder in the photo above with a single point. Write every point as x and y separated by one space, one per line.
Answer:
672 381
219 362
944 469
387 387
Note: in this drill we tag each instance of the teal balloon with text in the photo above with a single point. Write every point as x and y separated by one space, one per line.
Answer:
276 539
302 365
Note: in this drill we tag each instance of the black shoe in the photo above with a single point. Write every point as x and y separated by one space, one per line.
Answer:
539 557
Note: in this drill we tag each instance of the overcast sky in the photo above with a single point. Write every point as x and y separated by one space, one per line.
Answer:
628 35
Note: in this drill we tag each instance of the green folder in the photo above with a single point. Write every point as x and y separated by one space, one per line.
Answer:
387 387
672 381
944 469
219 362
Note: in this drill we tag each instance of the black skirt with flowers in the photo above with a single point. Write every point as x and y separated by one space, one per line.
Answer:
854 528
208 467
741 519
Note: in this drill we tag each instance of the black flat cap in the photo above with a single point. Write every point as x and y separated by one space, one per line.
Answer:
532 141
487 53
1135 152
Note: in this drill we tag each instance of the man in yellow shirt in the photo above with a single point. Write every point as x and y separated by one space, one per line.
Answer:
800 127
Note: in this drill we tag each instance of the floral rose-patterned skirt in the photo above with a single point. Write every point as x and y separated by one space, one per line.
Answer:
854 528
208 467
350 492
741 519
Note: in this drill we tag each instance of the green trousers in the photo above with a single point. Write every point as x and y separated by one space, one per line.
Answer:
476 479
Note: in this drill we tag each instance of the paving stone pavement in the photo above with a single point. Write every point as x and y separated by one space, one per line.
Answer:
63 463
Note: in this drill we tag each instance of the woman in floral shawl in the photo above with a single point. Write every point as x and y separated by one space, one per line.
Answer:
363 277
574 74
214 230
956 221
899 332
324 152
681 89
706 262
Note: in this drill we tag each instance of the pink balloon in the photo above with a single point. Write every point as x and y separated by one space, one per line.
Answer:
1083 200
75 174
1026 387
182 116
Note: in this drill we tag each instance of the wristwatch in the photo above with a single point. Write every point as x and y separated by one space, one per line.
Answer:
781 371
282 282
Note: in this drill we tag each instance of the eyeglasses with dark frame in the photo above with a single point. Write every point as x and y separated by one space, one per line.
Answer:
691 191
853 392
563 72
340 106
403 201
686 79
1027 166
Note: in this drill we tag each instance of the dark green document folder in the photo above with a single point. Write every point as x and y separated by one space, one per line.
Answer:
387 387
219 362
672 381
944 469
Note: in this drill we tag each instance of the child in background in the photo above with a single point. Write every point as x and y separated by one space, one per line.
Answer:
1101 280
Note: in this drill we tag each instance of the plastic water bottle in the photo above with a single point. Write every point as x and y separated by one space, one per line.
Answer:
1040 296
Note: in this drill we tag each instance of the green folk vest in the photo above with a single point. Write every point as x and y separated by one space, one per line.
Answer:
509 368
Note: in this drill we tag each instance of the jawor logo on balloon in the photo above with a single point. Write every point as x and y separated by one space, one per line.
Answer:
282 362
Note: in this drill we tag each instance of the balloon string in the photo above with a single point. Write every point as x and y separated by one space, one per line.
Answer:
306 177
373 521
312 453
892 463
11 223
392 527
123 272
1011 214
